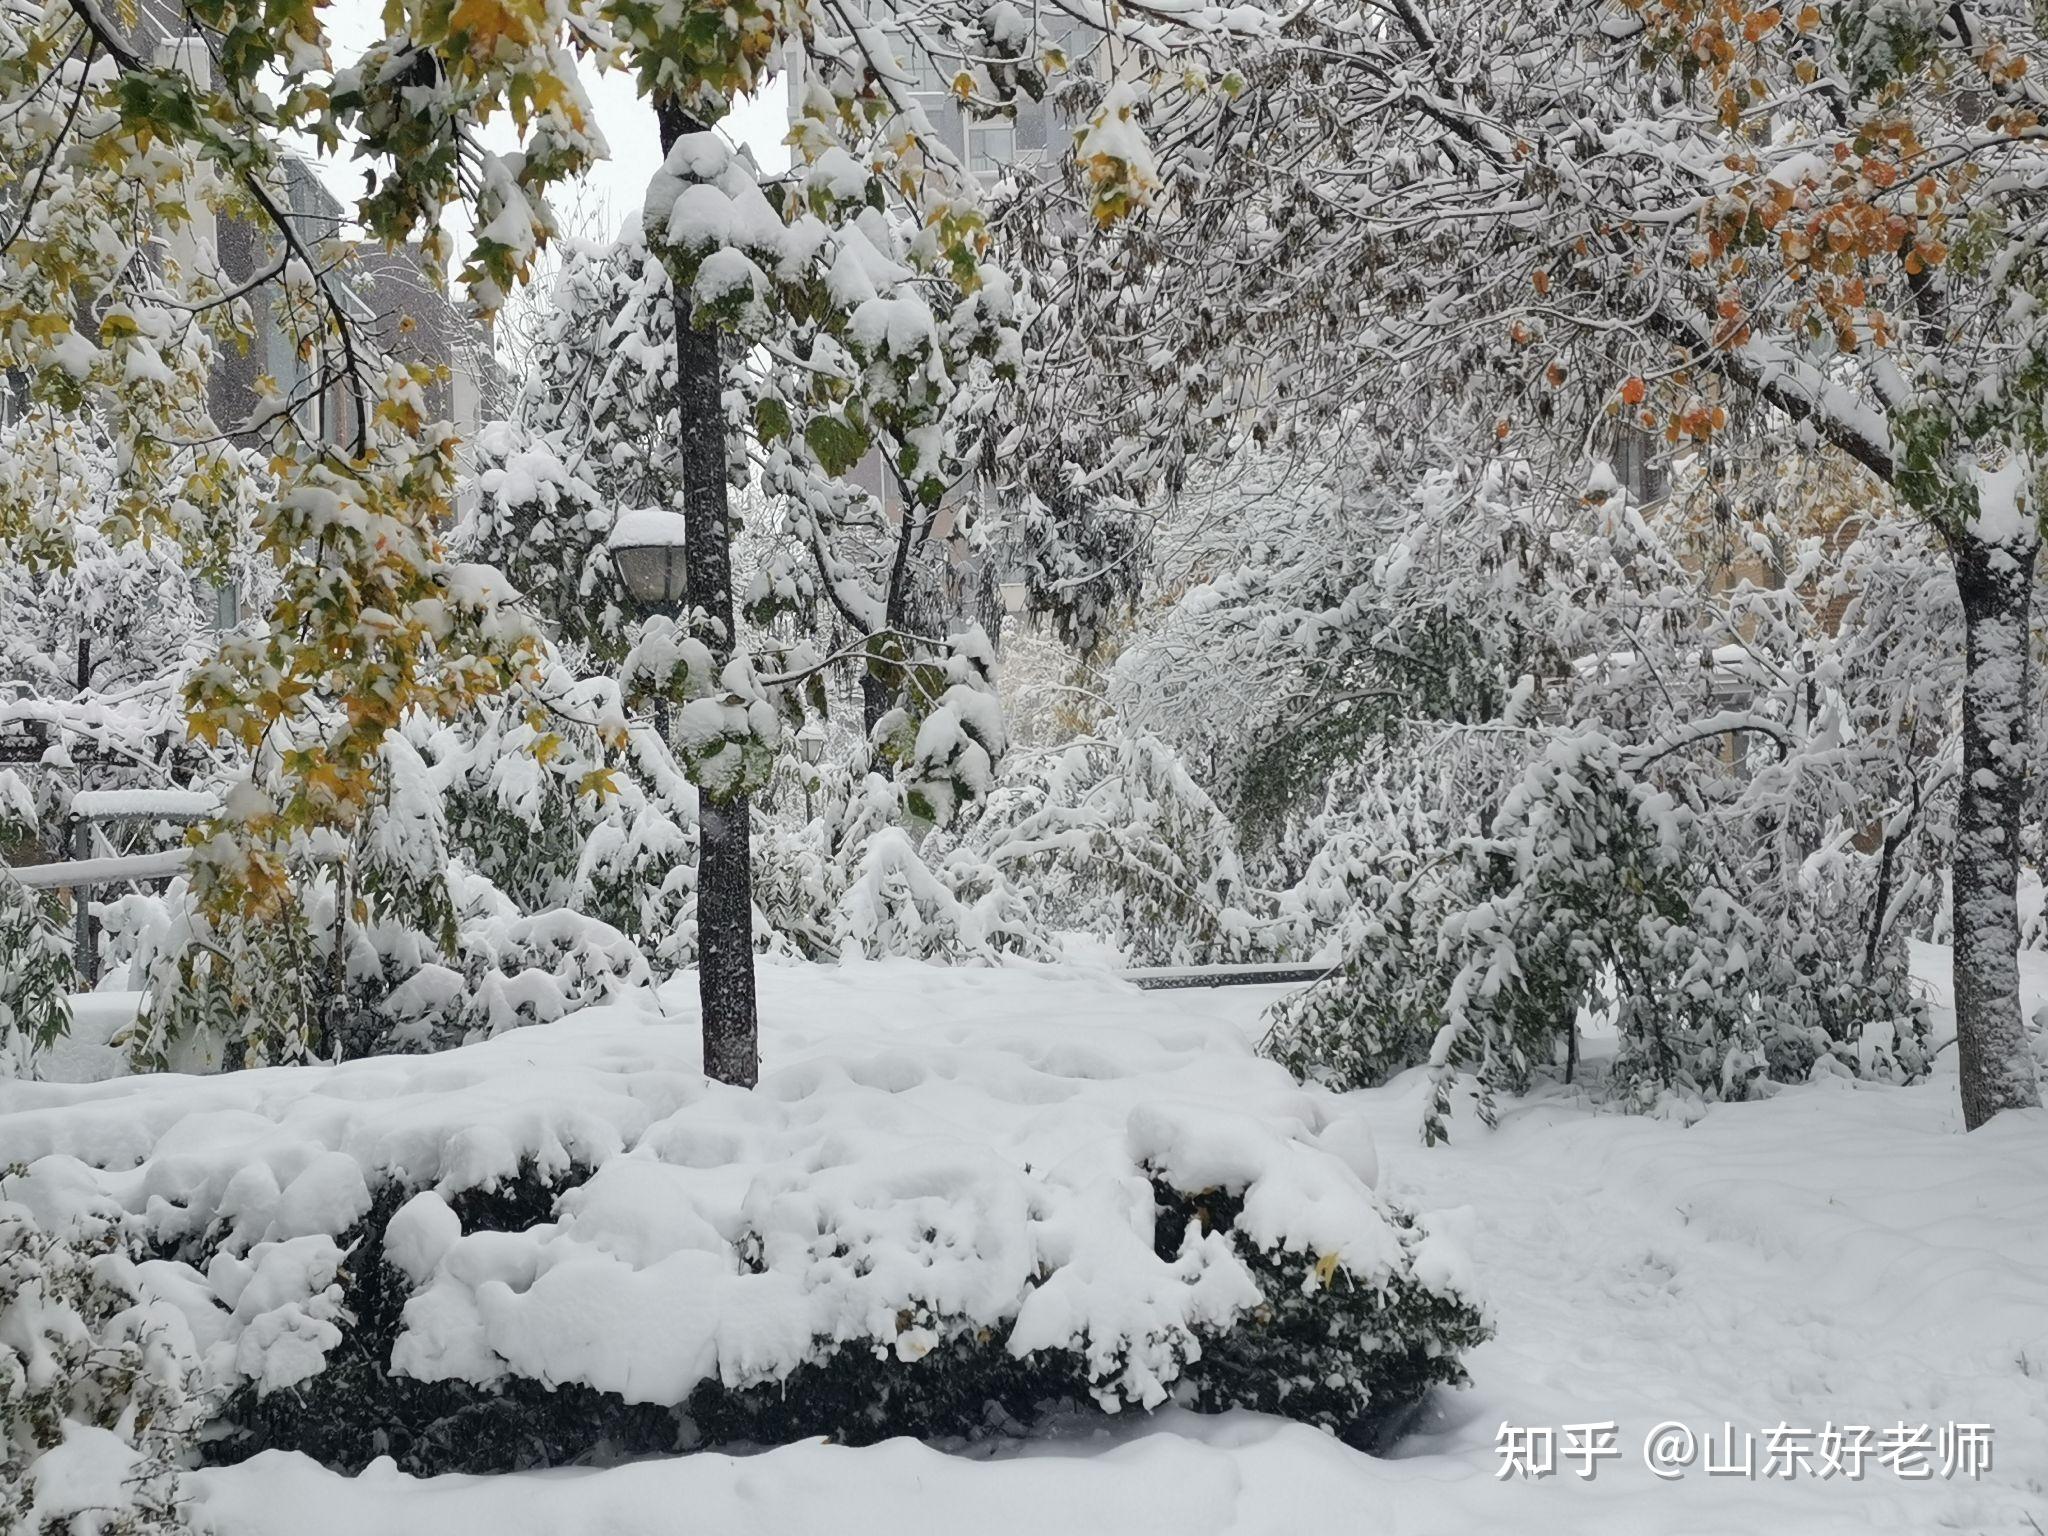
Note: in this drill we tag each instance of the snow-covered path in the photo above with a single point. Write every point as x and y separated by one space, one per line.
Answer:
1835 1255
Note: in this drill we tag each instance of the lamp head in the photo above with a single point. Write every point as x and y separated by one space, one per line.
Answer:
646 546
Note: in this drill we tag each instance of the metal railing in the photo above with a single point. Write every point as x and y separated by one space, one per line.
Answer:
1166 978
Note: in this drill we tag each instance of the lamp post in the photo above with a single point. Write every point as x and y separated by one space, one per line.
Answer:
810 746
649 549
646 546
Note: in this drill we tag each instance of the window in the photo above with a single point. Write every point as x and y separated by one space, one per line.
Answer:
990 147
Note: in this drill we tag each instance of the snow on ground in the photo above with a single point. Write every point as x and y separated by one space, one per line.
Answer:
1836 1254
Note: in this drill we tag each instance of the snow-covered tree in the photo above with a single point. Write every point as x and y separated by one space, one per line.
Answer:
1374 677
1117 839
114 306
1632 230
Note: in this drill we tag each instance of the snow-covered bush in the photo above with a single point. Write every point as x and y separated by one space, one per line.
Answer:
879 1309
100 1399
302 975
899 905
524 1251
512 807
402 936
1322 1346
1590 890
1347 1340
890 891
543 524
254 993
560 802
863 878
638 874
510 969
35 977
1115 837
1380 1011
246 993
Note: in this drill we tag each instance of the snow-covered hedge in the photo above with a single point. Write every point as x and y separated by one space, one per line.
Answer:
512 1252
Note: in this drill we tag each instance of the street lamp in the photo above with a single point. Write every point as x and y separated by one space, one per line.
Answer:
810 743
646 546
810 746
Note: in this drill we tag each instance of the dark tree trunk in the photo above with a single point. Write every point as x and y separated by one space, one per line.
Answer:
874 701
725 896
877 693
1996 582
